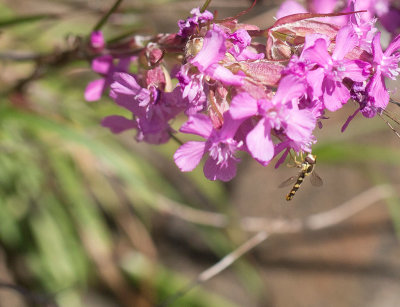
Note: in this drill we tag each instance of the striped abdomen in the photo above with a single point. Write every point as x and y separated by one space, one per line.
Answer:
306 169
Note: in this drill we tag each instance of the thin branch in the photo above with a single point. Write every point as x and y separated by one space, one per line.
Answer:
278 226
320 220
232 257
44 62
268 227
349 208
189 214
20 56
221 265
104 19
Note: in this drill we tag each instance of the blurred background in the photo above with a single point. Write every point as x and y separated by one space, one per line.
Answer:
88 218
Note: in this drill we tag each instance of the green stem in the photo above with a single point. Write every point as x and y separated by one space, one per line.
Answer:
205 5
103 20
175 138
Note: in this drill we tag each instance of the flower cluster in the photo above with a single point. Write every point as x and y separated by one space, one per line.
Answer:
239 95
387 12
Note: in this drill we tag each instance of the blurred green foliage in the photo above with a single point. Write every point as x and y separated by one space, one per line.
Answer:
70 191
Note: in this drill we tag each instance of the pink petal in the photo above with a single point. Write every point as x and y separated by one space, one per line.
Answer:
189 155
97 40
323 6
394 44
102 64
259 142
377 90
289 88
124 62
315 79
356 70
94 90
311 38
118 124
213 49
289 7
199 124
318 52
278 148
247 54
346 40
126 84
391 20
376 48
129 94
224 75
229 127
335 94
243 106
300 125
212 171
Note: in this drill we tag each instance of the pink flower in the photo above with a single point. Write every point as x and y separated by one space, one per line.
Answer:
289 7
189 25
385 64
97 41
104 65
151 109
193 82
220 146
363 26
327 79
241 40
192 86
323 6
213 51
281 114
118 124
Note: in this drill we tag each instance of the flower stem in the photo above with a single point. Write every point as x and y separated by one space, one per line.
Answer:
205 5
175 138
103 20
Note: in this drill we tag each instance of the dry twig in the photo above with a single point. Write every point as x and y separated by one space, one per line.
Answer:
278 226
266 227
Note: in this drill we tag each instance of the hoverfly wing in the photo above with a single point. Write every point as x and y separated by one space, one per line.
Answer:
288 182
316 180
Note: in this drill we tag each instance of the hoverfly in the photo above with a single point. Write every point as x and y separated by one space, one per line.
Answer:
306 166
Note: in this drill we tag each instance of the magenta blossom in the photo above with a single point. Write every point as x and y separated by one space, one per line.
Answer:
151 109
327 79
220 146
213 51
204 68
193 89
385 64
104 65
241 41
189 25
97 41
290 7
280 115
263 97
